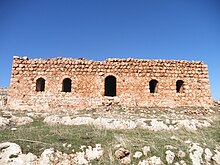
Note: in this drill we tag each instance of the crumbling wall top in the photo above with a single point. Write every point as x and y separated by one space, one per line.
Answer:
128 60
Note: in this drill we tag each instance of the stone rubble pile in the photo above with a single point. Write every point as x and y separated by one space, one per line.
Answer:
198 156
151 161
20 120
123 155
14 120
119 123
4 121
197 111
3 97
216 103
11 154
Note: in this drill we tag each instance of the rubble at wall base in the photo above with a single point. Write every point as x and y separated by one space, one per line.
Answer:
3 97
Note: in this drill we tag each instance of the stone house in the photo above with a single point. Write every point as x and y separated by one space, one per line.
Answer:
65 83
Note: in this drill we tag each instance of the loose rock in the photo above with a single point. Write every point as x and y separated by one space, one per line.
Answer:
208 156
196 154
169 156
21 120
121 153
181 154
137 154
145 150
216 157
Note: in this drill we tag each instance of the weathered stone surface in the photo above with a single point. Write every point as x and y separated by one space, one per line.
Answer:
157 125
137 154
120 123
191 125
46 156
126 160
114 123
14 120
121 153
88 77
170 147
82 120
169 156
7 151
24 159
6 114
182 162
196 154
94 153
4 121
181 154
21 120
154 160
80 158
208 156
11 154
145 150
3 97
216 157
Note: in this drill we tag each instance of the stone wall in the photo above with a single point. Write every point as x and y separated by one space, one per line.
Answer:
88 83
3 97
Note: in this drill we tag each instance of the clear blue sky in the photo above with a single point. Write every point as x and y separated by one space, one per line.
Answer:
100 29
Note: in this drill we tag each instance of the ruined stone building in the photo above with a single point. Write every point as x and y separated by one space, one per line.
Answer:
78 83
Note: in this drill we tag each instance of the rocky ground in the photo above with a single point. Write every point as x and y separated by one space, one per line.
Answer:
185 135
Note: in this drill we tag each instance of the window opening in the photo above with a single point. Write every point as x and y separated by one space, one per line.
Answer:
153 86
66 85
179 86
40 84
110 86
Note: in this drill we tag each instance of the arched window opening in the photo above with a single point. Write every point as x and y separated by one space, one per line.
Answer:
153 86
40 84
179 86
110 86
66 85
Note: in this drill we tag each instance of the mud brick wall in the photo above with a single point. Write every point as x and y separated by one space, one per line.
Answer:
3 97
88 83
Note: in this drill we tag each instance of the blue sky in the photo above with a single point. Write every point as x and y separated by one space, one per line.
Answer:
100 29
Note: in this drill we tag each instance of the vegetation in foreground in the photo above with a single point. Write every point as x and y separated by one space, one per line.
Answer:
37 136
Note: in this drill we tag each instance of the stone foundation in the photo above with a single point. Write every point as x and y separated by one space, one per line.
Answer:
64 83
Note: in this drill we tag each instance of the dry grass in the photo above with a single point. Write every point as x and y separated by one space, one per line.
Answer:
37 136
